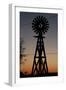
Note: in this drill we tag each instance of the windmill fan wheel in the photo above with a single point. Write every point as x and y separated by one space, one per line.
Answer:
40 25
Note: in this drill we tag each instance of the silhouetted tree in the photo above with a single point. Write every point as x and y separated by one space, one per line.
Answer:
22 51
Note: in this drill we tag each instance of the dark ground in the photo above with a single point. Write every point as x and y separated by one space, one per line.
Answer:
47 75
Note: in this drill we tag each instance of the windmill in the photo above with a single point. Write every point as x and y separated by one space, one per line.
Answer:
40 26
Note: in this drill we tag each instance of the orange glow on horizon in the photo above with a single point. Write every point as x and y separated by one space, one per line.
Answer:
51 61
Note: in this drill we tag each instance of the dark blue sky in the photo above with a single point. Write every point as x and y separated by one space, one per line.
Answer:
27 34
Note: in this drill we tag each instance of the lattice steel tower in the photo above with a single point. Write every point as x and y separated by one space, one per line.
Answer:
40 26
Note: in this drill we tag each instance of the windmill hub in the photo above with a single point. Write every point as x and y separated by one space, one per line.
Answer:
40 26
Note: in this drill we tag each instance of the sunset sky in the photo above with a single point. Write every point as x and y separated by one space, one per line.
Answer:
50 41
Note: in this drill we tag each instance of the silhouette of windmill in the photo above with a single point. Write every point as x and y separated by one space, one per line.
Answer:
40 26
